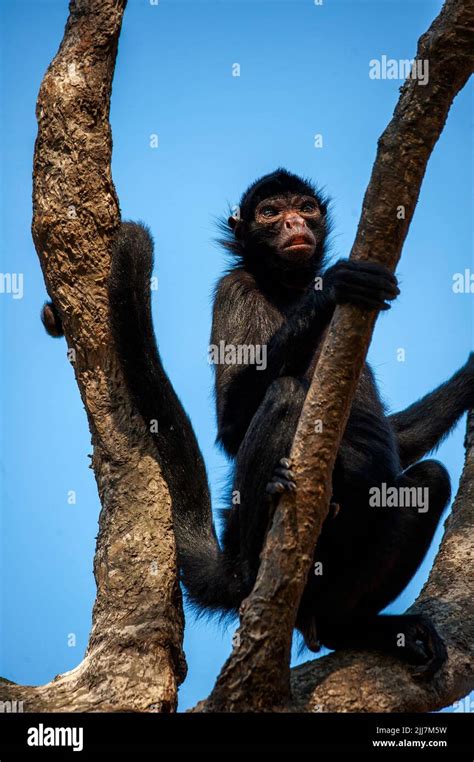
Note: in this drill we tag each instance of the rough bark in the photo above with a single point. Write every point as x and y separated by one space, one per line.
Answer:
256 677
134 658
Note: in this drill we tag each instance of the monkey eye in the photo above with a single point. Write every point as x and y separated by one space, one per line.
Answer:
268 211
308 207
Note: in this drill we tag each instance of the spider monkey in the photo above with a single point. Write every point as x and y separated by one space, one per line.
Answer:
268 298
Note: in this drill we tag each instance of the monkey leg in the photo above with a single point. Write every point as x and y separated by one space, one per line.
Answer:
267 441
410 637
424 424
355 587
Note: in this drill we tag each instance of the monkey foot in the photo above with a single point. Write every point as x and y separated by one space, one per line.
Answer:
424 648
283 479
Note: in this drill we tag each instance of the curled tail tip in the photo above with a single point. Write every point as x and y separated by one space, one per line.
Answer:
51 320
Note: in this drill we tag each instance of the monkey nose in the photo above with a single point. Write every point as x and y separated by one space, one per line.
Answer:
293 221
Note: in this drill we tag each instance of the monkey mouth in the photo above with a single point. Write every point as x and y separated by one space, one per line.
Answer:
298 241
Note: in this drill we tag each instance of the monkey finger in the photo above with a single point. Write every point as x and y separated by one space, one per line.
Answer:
282 485
362 298
426 671
432 665
275 488
285 473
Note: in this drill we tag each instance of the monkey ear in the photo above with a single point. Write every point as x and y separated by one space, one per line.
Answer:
235 224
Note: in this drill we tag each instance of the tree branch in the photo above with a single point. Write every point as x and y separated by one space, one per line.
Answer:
134 657
257 676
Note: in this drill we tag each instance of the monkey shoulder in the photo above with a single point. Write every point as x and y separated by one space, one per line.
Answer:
235 285
241 308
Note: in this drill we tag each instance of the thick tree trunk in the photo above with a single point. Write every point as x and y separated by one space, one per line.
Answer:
134 659
257 676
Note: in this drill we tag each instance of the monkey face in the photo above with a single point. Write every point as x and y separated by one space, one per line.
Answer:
289 225
287 229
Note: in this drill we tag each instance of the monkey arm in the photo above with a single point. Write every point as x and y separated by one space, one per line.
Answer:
423 426
243 315
241 318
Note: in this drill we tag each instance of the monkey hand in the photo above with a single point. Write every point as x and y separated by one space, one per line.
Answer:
283 479
368 285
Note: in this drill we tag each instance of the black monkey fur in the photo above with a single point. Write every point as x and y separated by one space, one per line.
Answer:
368 554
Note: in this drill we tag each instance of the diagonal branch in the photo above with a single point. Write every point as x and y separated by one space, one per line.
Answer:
257 675
134 659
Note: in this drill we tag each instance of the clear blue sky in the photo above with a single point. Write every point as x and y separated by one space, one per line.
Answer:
304 70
